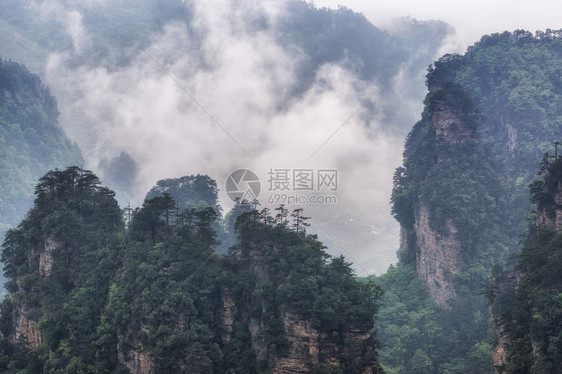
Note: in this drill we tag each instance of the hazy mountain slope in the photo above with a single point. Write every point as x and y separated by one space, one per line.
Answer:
31 140
461 197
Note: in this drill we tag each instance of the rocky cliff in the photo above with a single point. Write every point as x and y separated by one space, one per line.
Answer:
135 357
310 350
499 355
550 213
448 123
438 257
26 315
461 195
307 348
428 237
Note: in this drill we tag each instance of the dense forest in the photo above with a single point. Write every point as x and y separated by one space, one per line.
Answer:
90 293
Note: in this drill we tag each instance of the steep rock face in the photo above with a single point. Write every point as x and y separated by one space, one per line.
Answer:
135 357
228 305
25 326
499 354
436 251
511 137
551 215
46 258
448 124
310 350
437 258
25 317
137 360
26 330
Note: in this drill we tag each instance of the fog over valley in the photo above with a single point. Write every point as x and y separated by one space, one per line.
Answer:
226 86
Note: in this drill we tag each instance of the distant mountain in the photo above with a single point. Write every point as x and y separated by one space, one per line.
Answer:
120 31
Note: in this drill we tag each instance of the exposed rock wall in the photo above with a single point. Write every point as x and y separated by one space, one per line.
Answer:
228 305
26 329
310 350
499 354
437 257
511 137
137 360
46 258
551 215
448 124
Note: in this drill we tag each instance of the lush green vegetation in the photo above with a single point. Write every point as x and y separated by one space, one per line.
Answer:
458 183
31 141
159 287
419 337
506 87
528 298
515 78
84 222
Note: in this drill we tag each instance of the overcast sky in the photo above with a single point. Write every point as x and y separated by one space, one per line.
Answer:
471 18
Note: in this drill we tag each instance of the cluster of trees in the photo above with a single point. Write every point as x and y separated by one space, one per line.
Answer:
192 191
417 336
83 221
158 286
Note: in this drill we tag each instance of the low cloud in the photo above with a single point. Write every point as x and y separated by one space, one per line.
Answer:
218 97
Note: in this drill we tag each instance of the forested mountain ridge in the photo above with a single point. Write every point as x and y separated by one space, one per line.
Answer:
89 295
31 140
461 196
